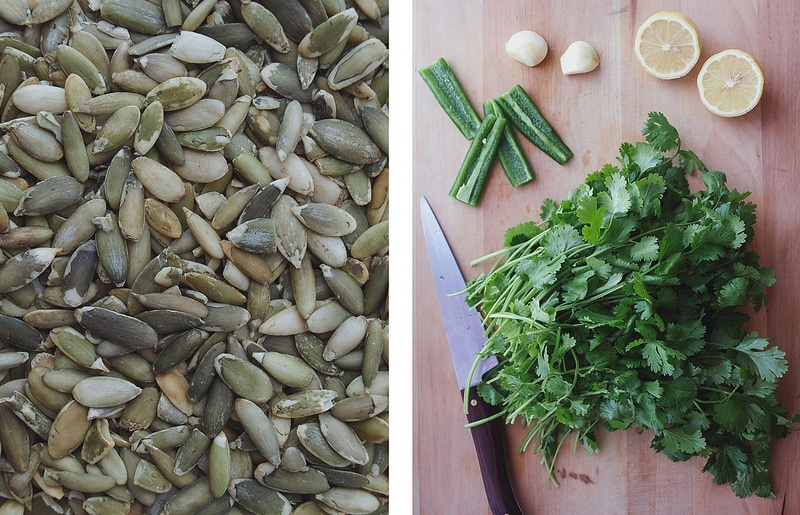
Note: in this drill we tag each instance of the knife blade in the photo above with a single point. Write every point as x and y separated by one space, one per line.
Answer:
465 337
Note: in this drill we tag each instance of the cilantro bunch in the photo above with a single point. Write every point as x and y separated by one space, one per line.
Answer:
624 309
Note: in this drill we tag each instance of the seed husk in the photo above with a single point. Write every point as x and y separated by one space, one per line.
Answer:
195 48
257 498
148 476
68 430
328 34
260 205
325 219
73 61
49 196
304 404
28 413
292 239
219 465
109 103
292 167
314 442
161 218
112 248
140 412
14 439
349 500
149 128
283 80
104 391
260 429
256 235
177 93
289 370
40 143
347 291
201 166
245 379
33 98
311 348
202 114
137 15
265 25
117 327
308 481
159 180
23 268
24 237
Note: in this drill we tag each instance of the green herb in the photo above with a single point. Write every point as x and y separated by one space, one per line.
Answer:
624 309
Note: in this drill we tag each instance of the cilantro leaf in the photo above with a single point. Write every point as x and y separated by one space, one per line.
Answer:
645 249
591 216
561 239
657 358
683 440
660 133
616 199
646 157
521 233
769 363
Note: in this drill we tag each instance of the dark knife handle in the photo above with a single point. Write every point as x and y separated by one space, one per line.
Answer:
490 445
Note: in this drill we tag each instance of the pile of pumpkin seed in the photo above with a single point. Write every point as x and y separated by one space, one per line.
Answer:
194 256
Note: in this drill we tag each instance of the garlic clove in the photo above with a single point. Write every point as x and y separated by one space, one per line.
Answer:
580 57
527 47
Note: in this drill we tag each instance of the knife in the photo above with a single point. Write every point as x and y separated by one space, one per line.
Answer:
465 337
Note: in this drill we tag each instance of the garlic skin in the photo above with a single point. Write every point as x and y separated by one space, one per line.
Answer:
527 47
579 57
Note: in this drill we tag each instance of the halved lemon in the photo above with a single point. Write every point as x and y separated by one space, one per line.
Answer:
730 83
668 45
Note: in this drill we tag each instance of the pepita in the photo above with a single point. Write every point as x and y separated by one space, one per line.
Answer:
194 228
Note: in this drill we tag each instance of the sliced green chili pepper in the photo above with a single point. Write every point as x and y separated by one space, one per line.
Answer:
520 110
448 92
513 160
471 179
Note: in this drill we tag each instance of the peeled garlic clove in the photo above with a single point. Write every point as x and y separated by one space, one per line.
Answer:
527 47
580 57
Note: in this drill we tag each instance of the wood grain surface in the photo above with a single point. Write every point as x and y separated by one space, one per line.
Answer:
594 113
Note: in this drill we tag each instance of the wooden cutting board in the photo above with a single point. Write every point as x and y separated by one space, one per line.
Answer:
594 113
